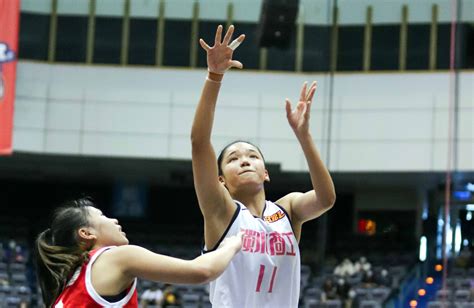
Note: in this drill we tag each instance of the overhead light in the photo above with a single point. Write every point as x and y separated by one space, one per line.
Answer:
422 255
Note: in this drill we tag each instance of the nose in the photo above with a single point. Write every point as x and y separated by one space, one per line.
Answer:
244 161
116 221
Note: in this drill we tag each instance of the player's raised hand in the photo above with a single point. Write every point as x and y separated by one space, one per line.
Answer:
299 117
219 56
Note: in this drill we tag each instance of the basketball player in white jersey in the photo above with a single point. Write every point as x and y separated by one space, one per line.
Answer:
231 197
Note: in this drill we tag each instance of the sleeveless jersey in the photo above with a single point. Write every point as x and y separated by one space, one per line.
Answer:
266 272
79 292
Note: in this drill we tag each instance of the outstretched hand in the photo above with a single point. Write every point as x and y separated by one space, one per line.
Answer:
219 56
299 117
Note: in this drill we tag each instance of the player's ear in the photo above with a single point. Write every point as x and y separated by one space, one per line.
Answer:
267 176
86 234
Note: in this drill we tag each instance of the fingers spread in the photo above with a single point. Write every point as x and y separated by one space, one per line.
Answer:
204 45
235 43
218 39
311 94
308 109
311 91
303 91
288 107
236 64
228 35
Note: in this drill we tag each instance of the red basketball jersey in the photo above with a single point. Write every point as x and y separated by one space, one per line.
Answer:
79 292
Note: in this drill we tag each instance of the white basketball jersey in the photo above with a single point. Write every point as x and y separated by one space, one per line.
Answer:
266 272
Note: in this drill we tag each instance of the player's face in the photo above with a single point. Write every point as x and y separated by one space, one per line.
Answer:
242 164
107 230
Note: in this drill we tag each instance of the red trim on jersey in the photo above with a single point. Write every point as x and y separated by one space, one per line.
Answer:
77 295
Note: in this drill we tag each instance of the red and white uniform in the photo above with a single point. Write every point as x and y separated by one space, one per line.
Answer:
266 273
79 292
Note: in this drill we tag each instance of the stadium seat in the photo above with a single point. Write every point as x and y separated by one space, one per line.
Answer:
370 304
462 295
440 304
445 295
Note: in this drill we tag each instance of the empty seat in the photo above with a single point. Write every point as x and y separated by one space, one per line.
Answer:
12 301
458 272
363 294
462 295
17 267
333 303
370 304
206 305
464 283
19 279
443 295
5 290
464 304
311 303
380 294
451 283
439 304
314 293
190 298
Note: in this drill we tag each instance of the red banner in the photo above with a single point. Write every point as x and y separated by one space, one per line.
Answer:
9 24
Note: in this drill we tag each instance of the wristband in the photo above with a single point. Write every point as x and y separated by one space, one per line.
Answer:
213 81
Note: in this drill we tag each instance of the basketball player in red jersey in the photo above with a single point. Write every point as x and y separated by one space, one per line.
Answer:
84 260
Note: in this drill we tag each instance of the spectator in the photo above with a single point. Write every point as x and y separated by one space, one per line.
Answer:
346 268
362 265
170 296
368 279
342 288
329 290
152 296
384 279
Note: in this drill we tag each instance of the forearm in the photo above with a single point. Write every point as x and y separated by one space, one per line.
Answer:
215 262
320 177
204 116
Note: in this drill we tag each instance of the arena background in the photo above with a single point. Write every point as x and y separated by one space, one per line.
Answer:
105 95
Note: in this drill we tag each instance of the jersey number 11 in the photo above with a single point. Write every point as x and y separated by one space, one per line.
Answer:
260 278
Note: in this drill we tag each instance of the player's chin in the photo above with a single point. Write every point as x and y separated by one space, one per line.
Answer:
123 240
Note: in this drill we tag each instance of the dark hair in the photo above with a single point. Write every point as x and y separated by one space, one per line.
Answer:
58 249
221 154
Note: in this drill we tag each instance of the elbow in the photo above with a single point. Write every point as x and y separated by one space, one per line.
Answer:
330 201
333 199
203 274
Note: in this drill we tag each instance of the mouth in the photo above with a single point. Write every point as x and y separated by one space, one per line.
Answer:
246 171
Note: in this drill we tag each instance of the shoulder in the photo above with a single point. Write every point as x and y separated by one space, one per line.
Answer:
287 201
122 251
121 255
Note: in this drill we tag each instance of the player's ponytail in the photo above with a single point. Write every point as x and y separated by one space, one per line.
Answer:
58 250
